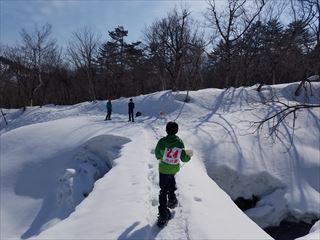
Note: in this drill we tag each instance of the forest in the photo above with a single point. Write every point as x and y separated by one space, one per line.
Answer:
242 44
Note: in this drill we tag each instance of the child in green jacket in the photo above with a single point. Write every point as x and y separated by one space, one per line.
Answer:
169 151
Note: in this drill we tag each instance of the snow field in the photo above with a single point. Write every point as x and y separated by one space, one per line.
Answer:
66 173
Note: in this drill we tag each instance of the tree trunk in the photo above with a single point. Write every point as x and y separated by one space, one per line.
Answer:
4 117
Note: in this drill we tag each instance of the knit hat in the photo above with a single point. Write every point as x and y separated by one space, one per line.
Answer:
172 128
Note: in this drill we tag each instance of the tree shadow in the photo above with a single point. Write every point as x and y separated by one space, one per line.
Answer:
222 102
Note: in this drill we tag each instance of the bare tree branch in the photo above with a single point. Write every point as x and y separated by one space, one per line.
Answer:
38 45
278 118
82 52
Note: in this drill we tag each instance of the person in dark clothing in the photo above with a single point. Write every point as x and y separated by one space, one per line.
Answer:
169 151
109 110
131 107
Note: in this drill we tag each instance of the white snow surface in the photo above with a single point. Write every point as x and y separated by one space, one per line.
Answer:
68 174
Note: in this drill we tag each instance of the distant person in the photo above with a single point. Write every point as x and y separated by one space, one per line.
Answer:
169 151
109 110
130 109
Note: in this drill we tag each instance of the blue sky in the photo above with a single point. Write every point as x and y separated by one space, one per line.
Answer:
68 16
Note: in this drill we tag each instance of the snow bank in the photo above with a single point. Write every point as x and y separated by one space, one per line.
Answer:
244 164
314 232
241 185
93 160
47 169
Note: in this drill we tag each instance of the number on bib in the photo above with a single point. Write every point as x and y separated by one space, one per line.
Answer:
172 156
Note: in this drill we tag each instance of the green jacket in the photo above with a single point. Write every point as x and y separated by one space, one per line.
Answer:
169 151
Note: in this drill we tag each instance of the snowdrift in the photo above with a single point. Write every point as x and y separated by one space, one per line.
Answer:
66 173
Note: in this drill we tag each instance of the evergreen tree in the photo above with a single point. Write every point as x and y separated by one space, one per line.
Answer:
118 61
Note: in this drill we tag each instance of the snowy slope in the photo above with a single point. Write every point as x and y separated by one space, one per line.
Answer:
66 173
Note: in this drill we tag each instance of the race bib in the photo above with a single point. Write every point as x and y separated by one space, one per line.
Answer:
172 156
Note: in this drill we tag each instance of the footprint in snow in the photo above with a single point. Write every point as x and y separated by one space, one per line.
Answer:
197 199
154 202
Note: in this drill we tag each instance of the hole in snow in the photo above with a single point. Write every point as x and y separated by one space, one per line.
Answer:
289 230
245 204
246 186
262 198
88 163
93 160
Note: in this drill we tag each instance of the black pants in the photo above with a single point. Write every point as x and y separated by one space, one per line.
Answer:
131 116
108 117
167 187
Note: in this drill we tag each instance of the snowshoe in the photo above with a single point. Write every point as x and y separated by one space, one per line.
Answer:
163 219
172 203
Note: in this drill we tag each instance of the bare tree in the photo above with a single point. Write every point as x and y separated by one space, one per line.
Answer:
38 46
82 51
3 116
308 12
303 10
171 42
273 10
17 75
232 23
315 25
280 117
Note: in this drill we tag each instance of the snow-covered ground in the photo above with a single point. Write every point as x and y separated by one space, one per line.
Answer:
68 174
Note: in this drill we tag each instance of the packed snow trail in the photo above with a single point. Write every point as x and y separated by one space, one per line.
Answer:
177 225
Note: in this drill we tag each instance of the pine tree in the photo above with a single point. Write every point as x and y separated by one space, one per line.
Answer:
119 61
